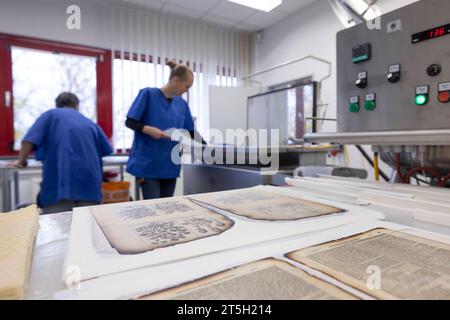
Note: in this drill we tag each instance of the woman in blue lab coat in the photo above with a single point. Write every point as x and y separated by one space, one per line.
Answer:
153 111
71 148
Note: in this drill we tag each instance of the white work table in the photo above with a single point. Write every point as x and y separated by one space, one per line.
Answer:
10 178
52 240
48 256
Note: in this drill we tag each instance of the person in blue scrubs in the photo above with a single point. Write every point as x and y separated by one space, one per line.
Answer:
71 148
153 111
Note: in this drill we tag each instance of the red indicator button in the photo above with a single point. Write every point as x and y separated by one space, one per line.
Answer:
444 96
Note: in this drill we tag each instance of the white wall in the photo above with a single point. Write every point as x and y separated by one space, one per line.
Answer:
46 19
228 110
310 31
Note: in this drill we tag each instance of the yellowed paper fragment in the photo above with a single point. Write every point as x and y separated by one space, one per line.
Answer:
153 224
18 231
264 205
268 279
385 264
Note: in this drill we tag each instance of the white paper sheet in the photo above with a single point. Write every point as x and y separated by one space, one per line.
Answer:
83 255
433 217
414 199
400 187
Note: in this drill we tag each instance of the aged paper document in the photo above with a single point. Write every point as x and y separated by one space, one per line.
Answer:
96 250
385 264
153 224
268 279
18 230
264 205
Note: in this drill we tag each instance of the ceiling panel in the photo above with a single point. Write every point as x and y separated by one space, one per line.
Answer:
190 13
219 20
247 27
263 19
294 5
198 5
232 11
220 12
151 4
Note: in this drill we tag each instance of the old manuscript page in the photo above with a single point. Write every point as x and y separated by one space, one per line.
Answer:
264 205
154 224
269 279
384 264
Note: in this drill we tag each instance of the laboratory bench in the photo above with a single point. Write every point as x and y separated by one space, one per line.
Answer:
53 236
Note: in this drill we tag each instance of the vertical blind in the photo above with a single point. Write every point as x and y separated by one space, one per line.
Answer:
144 41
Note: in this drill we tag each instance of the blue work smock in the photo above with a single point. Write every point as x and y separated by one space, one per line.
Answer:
71 148
150 158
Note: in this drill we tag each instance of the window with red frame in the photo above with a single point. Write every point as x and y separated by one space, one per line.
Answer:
33 72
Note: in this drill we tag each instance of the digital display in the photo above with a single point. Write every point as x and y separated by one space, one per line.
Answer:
361 53
431 34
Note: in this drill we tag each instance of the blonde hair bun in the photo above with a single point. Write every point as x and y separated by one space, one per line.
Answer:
172 64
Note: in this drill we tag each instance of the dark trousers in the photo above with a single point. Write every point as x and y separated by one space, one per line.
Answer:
157 188
66 205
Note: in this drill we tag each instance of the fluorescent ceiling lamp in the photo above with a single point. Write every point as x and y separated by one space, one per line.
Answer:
263 5
365 8
359 6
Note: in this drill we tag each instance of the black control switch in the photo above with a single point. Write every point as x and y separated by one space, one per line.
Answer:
394 73
393 77
361 81
433 70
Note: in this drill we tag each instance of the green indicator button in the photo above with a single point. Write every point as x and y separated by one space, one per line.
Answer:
370 105
354 107
421 99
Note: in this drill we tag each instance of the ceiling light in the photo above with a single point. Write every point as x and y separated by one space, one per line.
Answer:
359 6
263 5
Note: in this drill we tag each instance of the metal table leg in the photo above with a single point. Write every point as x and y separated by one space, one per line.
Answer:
6 190
121 173
16 188
137 193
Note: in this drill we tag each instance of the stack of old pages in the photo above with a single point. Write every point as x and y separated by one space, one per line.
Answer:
18 231
376 264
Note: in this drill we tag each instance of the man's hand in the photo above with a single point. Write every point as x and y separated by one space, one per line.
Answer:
17 164
155 133
25 150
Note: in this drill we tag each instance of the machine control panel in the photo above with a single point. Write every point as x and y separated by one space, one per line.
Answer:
388 81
